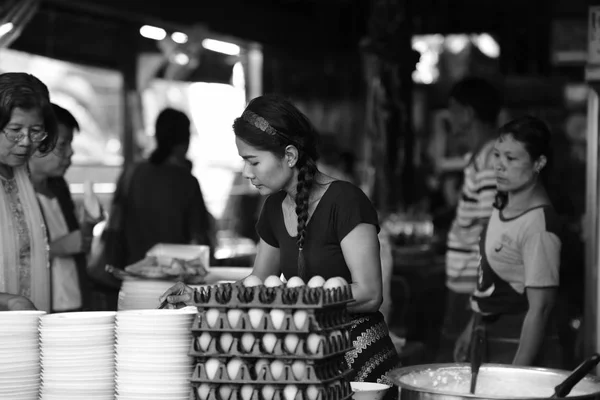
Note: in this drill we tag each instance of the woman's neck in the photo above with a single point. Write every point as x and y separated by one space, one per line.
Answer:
527 197
6 172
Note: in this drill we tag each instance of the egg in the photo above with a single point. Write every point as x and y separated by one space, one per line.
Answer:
291 343
268 391
300 317
312 392
233 317
233 367
225 391
290 392
225 341
256 317
295 281
298 369
246 392
316 282
203 391
276 368
277 317
335 282
269 341
252 280
313 341
247 342
273 281
260 366
212 366
204 341
212 316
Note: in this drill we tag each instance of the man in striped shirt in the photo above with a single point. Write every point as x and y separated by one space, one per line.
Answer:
474 106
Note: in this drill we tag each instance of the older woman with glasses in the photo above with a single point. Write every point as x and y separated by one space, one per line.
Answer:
27 126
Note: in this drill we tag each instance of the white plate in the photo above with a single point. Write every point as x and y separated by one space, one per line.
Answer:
79 318
181 251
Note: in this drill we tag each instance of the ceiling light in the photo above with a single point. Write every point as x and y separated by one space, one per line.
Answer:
221 47
181 59
5 28
153 32
179 37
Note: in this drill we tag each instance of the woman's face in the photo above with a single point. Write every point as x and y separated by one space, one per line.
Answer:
16 154
267 172
55 163
515 170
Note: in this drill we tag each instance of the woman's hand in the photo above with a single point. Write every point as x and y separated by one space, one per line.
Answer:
17 303
178 294
463 343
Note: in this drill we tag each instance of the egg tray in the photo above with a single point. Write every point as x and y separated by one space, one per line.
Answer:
316 321
340 390
234 295
329 347
313 373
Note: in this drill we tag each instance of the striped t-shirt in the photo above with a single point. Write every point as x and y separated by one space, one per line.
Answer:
474 209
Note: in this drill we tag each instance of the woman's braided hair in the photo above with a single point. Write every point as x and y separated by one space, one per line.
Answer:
271 123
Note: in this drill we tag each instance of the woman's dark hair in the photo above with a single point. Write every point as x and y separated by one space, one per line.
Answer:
294 129
537 140
25 91
172 129
64 117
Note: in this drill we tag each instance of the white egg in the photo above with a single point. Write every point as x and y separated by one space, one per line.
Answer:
252 280
268 391
290 392
260 366
300 317
233 317
291 343
225 391
233 368
225 341
212 317
299 369
256 317
269 341
295 281
277 317
335 282
316 281
273 281
313 341
204 341
203 391
246 392
247 342
212 366
276 368
312 392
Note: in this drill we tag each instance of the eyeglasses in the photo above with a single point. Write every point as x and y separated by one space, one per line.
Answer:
16 135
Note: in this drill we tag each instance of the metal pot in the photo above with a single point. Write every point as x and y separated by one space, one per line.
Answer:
496 381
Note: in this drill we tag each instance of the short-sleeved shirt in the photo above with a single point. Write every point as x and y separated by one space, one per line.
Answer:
342 207
517 253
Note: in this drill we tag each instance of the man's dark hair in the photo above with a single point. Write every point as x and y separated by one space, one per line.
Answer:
480 95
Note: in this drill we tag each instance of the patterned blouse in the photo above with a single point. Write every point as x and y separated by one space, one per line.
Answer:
10 188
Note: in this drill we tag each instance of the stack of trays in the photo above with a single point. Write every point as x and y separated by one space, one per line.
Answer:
272 342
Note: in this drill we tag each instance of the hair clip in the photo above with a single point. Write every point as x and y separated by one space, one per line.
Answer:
259 122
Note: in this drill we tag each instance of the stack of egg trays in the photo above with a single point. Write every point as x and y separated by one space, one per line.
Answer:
326 369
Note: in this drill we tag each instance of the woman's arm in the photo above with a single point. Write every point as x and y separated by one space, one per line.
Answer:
361 253
266 262
541 302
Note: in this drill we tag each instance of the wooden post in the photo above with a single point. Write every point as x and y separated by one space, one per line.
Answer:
128 65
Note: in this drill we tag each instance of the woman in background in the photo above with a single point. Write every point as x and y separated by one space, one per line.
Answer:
520 255
163 203
27 126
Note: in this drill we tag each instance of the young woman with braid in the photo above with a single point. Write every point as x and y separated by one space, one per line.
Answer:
312 225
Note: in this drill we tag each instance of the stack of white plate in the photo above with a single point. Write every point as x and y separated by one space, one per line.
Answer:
141 294
77 356
19 355
152 360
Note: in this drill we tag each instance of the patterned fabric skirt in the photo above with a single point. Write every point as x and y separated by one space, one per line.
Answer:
373 354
